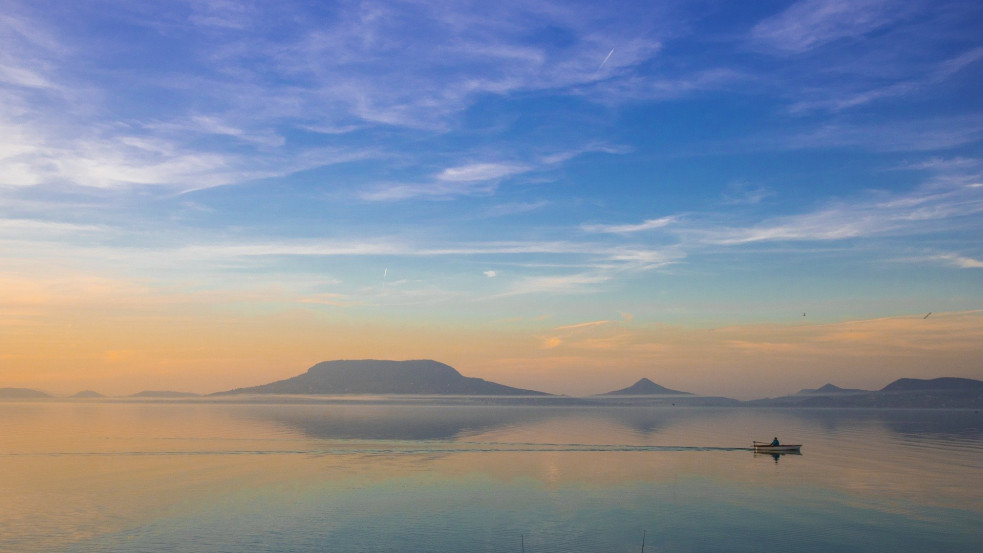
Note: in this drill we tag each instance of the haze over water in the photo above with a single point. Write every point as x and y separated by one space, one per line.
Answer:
385 475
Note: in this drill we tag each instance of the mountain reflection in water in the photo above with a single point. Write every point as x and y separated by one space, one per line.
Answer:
417 475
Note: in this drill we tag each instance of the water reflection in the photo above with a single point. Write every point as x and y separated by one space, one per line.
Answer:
776 455
395 422
311 476
962 424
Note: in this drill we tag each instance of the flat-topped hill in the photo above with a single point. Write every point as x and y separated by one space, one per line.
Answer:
371 376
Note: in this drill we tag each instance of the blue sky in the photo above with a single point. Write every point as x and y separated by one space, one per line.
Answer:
513 169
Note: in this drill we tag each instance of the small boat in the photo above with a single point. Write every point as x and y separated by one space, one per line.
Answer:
766 447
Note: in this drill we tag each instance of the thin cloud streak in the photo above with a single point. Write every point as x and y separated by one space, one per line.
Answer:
649 224
810 24
392 247
960 261
481 172
927 209
476 179
834 100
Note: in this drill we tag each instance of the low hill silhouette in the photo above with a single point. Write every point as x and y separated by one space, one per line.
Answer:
947 392
935 384
163 394
371 376
21 393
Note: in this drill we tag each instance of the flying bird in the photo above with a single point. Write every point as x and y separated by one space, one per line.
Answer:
926 316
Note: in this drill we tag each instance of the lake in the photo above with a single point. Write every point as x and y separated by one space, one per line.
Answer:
375 475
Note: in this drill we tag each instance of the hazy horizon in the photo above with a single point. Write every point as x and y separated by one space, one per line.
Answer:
729 199
598 393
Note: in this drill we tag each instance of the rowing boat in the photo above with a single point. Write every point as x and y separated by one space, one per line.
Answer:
766 447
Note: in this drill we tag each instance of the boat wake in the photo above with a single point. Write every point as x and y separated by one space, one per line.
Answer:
372 447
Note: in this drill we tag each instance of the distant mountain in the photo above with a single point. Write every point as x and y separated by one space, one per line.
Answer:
951 393
831 389
163 394
88 394
645 387
935 384
646 392
370 376
21 393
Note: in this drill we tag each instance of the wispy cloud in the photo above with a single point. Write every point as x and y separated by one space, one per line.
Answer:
389 246
566 155
956 260
862 91
514 208
810 24
668 87
392 72
743 193
110 157
215 125
22 76
561 335
914 135
466 180
34 228
471 179
481 172
948 203
398 191
944 164
578 283
649 224
477 179
222 118
867 337
927 209
579 326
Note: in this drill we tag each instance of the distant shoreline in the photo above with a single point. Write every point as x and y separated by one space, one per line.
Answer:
408 400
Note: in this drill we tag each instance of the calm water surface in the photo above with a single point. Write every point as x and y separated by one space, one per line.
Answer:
417 477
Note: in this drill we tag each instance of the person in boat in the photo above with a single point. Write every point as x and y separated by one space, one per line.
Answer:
774 443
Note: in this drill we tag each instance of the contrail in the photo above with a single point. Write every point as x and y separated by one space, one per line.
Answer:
606 58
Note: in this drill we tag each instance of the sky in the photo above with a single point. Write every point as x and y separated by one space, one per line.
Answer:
728 198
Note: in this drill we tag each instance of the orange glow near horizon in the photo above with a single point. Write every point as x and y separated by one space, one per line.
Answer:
201 345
